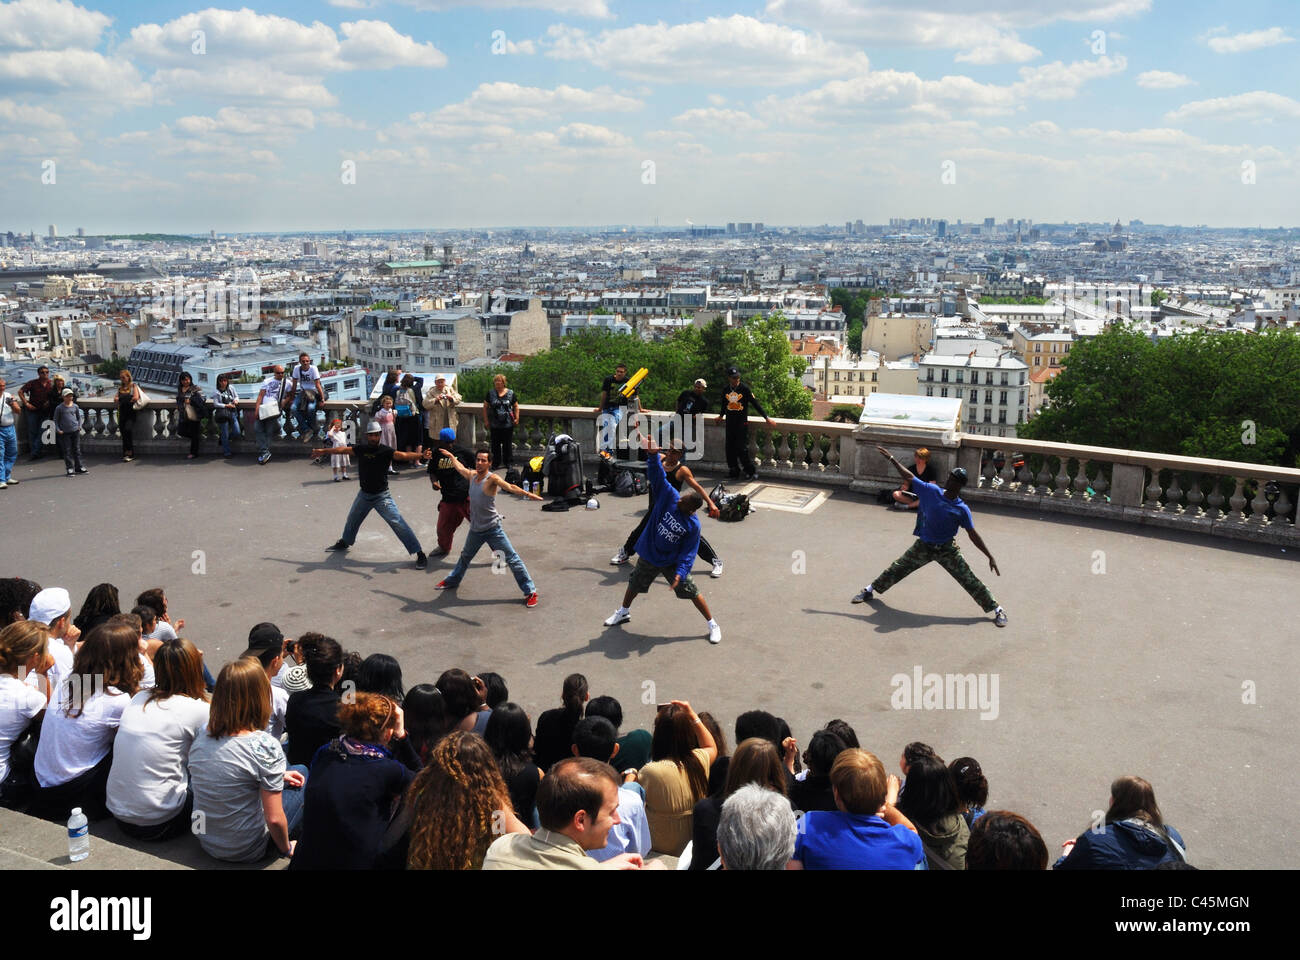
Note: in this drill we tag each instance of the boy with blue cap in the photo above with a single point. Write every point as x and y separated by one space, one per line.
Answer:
453 509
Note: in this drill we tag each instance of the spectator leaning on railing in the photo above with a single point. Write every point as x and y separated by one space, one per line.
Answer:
10 410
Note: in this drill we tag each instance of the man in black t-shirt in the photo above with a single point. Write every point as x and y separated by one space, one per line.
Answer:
373 461
453 509
613 408
736 401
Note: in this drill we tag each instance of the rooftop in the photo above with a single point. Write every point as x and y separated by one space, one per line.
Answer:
1130 649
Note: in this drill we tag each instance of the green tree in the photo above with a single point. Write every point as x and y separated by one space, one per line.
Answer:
843 413
1158 297
111 368
853 337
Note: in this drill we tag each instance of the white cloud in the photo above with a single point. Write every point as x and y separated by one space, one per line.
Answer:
587 135
16 115
248 122
1059 81
226 178
352 4
715 120
508 103
735 50
332 118
1002 48
581 8
1257 105
49 25
79 72
717 99
247 81
375 45
1246 42
1041 128
1162 80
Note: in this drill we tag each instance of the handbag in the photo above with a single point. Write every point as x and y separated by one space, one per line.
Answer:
140 401
268 409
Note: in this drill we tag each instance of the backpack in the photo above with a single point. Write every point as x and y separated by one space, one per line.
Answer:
513 476
732 507
624 483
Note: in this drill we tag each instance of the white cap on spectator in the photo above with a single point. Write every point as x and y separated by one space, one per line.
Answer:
50 604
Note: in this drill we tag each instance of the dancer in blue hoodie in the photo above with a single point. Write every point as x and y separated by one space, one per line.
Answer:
667 546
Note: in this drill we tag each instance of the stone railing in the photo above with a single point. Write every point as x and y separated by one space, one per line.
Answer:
1236 500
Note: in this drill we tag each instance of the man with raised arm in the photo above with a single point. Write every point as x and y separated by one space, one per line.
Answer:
667 545
942 513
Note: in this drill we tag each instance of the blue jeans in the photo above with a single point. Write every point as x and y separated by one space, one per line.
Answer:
381 503
8 451
495 538
305 411
262 433
34 422
292 799
229 430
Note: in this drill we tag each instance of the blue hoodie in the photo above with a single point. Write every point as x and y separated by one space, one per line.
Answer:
669 540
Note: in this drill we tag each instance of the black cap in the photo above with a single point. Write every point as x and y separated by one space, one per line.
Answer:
733 371
958 473
264 636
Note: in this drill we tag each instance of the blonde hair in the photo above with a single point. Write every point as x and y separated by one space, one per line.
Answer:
19 642
858 777
241 699
923 453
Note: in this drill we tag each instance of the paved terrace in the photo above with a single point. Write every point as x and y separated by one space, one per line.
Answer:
1137 669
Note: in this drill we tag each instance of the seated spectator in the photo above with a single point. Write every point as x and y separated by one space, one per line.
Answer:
251 804
1134 836
931 803
814 791
16 596
719 740
149 790
148 618
355 784
752 723
381 674
156 600
755 761
100 604
577 804
266 645
425 717
461 698
495 690
756 830
845 732
593 737
972 788
555 727
911 753
678 776
789 748
75 753
53 608
510 736
311 719
634 746
293 657
866 832
146 655
23 652
351 668
1002 840
458 804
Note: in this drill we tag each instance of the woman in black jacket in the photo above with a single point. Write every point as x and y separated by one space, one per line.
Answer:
190 411
312 718
355 787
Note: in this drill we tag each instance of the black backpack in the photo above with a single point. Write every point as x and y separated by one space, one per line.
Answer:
625 483
513 476
732 507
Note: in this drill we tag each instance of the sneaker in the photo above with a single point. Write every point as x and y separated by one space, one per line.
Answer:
444 585
227 456
715 634
263 457
616 618
865 595
129 459
346 477
421 561
3 484
717 568
531 600
441 552
82 470
12 482
339 545
621 559
1000 617
338 479
306 438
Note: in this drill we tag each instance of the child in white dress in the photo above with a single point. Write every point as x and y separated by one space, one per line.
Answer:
338 438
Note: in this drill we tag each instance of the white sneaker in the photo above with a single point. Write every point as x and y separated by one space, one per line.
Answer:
3 485
715 634
618 617
619 560
717 568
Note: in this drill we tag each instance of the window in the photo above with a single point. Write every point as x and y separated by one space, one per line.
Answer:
351 384
988 378
873 378
1037 360
1038 348
1002 416
945 375
837 374
943 391
988 396
958 393
961 374
929 391
203 378
929 374
1004 378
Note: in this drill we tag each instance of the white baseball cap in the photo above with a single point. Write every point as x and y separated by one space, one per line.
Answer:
50 604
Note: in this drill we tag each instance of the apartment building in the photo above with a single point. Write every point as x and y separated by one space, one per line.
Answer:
895 335
994 390
1041 345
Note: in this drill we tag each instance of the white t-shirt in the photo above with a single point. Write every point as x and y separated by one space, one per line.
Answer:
6 411
162 631
18 704
306 380
278 679
279 704
271 388
72 745
147 681
151 752
61 670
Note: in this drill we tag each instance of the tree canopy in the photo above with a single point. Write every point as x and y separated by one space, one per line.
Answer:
1231 396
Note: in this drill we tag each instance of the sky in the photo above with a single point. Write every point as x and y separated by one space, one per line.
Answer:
132 115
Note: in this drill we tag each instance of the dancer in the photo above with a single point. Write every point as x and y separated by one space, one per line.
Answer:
453 509
667 546
373 461
677 473
942 512
737 398
338 438
485 522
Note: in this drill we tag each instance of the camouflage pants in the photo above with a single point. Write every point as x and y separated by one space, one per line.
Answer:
947 556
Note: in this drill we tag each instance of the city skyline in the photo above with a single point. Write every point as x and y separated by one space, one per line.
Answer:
298 117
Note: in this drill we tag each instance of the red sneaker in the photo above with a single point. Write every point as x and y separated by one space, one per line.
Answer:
443 585
531 600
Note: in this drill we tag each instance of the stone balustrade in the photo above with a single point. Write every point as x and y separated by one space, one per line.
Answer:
1236 500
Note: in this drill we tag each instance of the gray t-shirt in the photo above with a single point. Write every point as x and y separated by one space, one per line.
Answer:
483 514
163 631
228 775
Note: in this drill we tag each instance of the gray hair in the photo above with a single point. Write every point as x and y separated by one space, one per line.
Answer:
756 830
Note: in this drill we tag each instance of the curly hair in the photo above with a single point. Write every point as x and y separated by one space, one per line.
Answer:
457 802
368 717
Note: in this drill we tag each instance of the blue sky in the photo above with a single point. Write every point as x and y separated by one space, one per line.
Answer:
437 113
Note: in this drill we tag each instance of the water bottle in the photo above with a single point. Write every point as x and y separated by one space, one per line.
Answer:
78 836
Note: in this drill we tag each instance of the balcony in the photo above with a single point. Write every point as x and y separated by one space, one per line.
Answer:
1148 598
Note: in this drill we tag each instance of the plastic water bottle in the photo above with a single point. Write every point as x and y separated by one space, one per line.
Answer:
78 836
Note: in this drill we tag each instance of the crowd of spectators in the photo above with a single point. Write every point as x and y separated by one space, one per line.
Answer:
301 749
